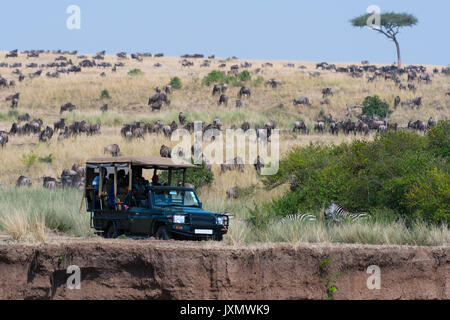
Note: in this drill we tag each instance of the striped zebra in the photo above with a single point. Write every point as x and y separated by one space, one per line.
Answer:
298 217
336 213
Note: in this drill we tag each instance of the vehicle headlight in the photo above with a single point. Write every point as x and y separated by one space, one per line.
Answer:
221 220
179 219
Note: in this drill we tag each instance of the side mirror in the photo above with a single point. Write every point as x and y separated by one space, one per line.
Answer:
200 205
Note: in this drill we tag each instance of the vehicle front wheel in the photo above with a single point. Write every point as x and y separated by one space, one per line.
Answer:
163 233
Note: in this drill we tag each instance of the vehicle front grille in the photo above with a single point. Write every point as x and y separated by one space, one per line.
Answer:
203 220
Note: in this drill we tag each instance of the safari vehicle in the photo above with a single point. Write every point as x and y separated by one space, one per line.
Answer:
165 212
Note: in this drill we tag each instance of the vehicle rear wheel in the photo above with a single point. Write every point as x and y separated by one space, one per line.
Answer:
111 232
163 233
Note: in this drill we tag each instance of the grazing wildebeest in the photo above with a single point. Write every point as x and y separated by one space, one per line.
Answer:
334 127
158 98
24 117
245 126
273 83
223 100
182 118
60 125
231 193
67 107
46 135
302 100
319 127
216 89
104 108
239 103
165 152
258 164
23 182
49 183
327 92
244 92
300 126
397 101
412 86
113 149
168 89
4 138
431 122
417 101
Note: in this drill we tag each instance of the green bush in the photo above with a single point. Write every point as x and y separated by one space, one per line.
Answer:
245 76
374 105
105 94
46 159
29 159
175 83
395 173
135 72
217 77
439 139
258 81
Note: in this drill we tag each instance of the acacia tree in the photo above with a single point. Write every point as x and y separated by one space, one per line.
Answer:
389 25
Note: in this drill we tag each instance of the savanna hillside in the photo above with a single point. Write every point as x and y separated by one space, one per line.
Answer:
128 95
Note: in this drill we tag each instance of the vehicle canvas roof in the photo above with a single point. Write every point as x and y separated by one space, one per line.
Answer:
144 162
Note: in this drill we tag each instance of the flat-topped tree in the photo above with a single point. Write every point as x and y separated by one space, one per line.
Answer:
390 25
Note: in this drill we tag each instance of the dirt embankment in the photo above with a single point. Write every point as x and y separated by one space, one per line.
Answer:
158 270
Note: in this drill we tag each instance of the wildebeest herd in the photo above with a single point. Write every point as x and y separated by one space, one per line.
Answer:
63 64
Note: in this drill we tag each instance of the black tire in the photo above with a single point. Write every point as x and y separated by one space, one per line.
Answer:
111 232
219 237
163 233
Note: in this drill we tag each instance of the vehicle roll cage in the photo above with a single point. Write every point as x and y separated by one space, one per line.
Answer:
131 164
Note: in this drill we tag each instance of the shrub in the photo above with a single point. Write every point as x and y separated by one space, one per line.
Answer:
29 159
258 81
135 72
46 159
439 139
214 76
175 82
245 76
395 173
217 77
105 94
374 105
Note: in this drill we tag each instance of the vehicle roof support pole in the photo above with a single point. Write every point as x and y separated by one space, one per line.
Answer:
130 182
115 183
100 183
184 177
170 177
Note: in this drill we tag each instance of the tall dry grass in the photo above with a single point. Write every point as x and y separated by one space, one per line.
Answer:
42 97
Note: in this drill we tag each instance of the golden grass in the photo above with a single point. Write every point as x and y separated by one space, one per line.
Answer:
42 97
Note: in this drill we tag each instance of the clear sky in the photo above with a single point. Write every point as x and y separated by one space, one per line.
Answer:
314 30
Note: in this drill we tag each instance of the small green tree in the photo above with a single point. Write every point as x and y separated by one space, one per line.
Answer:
389 25
245 76
105 94
175 83
374 105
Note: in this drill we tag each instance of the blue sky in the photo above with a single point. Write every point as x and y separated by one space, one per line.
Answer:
249 29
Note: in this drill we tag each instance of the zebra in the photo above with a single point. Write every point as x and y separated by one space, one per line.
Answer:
337 213
298 217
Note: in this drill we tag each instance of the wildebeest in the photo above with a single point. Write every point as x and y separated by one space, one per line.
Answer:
165 152
397 101
239 103
67 107
182 118
59 125
23 182
24 117
46 135
302 100
158 98
258 164
104 108
244 92
113 149
223 100
245 126
49 183
4 138
300 126
327 92
319 127
431 122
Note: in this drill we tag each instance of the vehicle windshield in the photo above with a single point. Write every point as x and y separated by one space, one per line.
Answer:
175 198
